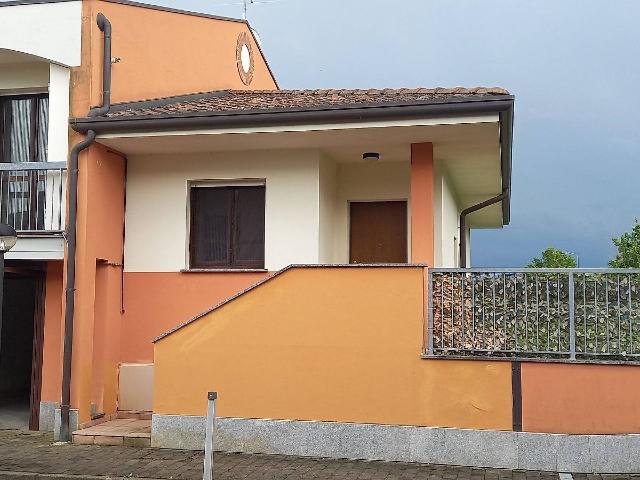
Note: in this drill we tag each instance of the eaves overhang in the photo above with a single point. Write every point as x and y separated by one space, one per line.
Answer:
502 105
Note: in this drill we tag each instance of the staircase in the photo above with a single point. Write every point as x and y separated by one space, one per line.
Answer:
128 428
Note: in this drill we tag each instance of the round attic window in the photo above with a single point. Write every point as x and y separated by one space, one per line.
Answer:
244 58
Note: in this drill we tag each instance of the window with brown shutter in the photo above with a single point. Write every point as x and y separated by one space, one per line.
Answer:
227 226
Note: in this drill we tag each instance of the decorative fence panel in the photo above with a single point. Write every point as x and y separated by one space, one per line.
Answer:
534 313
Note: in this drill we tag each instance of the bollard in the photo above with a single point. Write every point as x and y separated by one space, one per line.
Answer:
209 435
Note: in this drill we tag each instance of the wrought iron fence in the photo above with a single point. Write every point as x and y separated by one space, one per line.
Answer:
553 313
32 196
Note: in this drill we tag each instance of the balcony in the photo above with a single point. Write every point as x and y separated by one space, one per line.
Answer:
32 197
562 314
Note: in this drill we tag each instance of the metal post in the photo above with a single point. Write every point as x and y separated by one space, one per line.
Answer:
209 435
572 320
430 315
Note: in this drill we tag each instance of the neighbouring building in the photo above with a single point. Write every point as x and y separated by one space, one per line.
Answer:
304 253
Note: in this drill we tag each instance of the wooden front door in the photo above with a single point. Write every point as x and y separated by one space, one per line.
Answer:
378 232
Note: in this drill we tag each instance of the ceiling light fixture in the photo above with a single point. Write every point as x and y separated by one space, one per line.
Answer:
370 156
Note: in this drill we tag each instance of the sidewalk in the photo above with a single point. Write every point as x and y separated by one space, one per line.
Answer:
32 456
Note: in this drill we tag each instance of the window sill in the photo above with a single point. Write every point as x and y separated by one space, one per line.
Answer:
224 270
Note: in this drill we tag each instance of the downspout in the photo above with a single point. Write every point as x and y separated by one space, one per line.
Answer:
105 26
463 223
65 432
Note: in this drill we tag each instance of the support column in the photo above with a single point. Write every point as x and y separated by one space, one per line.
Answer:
422 213
96 334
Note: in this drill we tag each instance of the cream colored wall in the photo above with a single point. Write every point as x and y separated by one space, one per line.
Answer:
450 220
58 135
156 210
307 204
468 245
135 387
24 77
327 202
446 219
437 215
362 181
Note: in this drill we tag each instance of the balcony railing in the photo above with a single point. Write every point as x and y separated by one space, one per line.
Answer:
32 196
588 314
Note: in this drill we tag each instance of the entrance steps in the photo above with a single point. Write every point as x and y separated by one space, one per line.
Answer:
127 428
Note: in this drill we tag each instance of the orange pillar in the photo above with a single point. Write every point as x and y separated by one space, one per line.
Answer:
53 334
422 237
100 234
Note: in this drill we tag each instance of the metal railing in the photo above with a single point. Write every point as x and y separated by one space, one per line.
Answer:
534 313
32 196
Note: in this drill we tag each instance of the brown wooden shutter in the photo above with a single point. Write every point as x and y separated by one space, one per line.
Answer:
227 227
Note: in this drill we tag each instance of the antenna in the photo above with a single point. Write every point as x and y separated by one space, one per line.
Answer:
244 15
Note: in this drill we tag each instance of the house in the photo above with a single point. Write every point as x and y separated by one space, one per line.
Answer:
47 77
304 253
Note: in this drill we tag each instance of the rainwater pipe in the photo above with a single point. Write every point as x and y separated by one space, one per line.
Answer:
463 223
65 431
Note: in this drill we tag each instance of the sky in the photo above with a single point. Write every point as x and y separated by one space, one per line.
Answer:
573 66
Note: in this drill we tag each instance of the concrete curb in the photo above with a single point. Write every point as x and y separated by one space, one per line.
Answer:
395 443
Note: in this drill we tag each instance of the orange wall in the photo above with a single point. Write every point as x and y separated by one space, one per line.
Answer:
340 344
163 54
467 394
100 232
562 398
155 302
422 213
106 337
53 336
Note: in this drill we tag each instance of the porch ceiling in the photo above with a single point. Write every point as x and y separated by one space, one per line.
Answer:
8 57
468 147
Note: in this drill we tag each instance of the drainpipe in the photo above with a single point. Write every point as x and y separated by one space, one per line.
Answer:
65 432
463 224
105 26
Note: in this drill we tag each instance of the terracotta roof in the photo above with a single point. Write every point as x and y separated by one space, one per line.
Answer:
279 100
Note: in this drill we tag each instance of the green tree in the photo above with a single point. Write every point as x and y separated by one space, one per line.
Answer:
628 246
553 258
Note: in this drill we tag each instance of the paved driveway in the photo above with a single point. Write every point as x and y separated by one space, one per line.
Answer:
33 456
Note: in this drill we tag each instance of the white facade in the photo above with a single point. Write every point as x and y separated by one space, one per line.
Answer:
446 219
28 78
327 205
469 147
306 206
53 31
368 181
43 247
157 205
34 64
59 100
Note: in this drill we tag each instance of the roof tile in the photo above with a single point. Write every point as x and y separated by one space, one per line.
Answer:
237 101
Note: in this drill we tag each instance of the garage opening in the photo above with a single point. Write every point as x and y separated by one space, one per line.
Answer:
21 349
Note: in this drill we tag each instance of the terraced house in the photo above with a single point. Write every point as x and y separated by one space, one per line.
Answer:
187 226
